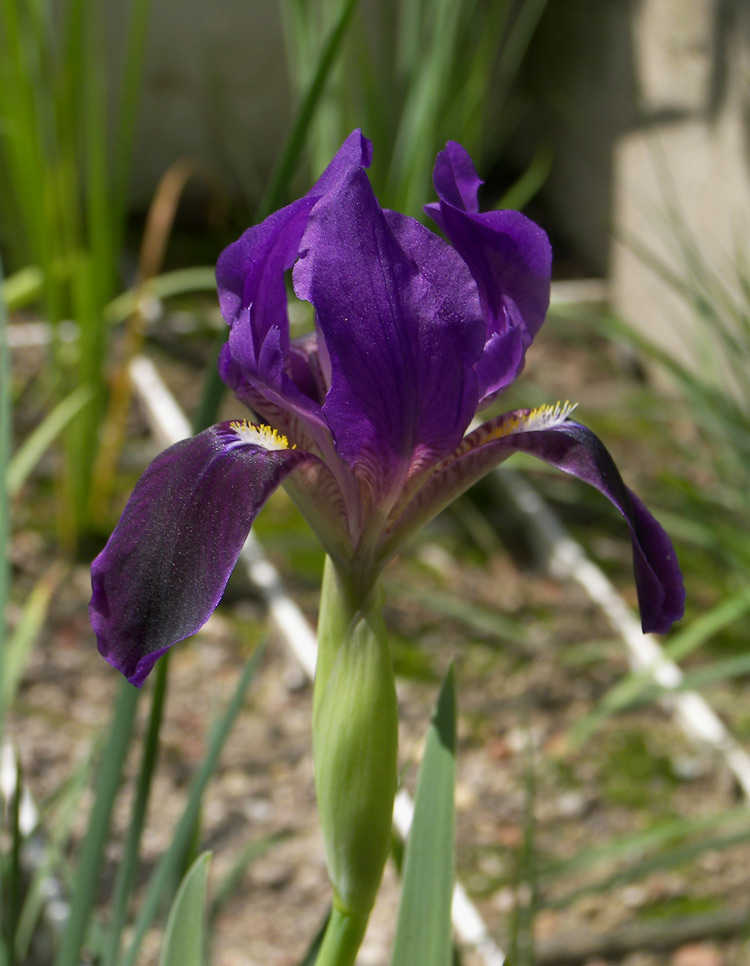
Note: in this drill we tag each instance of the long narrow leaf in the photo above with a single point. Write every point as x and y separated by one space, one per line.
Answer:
292 150
673 858
311 956
184 935
5 433
181 281
126 873
631 689
45 883
22 288
168 863
20 643
225 888
127 113
37 444
423 931
87 873
660 836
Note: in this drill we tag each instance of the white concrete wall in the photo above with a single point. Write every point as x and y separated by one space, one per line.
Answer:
690 154
215 88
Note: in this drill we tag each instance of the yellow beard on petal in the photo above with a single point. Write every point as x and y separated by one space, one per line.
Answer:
264 436
543 417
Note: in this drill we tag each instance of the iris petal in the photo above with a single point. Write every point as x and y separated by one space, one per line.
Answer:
403 329
508 255
574 449
165 567
455 178
252 296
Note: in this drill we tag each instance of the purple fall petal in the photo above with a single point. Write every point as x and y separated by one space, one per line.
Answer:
165 567
573 449
403 330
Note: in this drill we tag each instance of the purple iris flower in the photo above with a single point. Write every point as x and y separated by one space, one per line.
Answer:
364 419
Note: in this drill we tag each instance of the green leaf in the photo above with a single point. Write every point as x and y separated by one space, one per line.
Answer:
20 643
638 685
225 888
92 852
22 287
168 863
5 526
180 281
282 175
423 931
184 937
306 112
128 868
311 956
38 442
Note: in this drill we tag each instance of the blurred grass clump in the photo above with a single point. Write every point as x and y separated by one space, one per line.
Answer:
64 178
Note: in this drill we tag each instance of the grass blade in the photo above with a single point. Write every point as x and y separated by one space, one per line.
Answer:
87 873
181 281
227 886
37 444
22 288
423 931
126 873
659 836
5 437
290 155
311 956
632 689
51 863
670 859
168 863
127 113
20 643
184 936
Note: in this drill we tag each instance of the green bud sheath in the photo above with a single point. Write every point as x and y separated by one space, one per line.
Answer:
355 744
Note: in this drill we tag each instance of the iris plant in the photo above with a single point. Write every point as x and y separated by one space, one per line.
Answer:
365 421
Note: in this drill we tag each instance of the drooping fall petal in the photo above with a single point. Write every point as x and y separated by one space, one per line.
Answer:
165 567
574 449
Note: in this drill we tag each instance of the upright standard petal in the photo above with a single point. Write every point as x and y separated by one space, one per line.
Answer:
165 567
256 362
403 330
548 434
250 271
510 258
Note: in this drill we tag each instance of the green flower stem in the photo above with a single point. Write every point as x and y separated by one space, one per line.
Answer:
342 939
355 746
